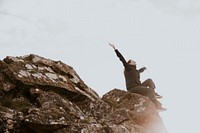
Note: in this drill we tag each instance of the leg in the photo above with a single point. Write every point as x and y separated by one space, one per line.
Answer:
148 92
149 83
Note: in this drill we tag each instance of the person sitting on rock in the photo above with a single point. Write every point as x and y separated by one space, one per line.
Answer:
133 83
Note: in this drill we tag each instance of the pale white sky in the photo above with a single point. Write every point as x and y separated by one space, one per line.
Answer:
162 35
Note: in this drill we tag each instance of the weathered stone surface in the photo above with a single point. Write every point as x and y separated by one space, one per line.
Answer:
36 70
10 120
5 83
39 95
134 109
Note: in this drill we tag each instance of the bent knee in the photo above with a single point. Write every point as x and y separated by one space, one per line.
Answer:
149 79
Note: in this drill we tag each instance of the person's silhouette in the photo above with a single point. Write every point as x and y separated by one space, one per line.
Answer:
133 83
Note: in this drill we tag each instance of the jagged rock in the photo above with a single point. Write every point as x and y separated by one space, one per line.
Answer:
10 120
133 112
39 95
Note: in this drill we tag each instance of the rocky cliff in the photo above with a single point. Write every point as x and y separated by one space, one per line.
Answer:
39 95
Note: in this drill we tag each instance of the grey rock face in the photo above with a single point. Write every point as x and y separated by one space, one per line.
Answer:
39 95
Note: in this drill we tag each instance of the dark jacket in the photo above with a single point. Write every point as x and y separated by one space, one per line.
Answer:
131 74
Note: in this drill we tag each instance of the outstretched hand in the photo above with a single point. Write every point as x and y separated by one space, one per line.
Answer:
112 45
144 68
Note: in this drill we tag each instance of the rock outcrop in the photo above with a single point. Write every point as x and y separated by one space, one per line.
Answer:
39 95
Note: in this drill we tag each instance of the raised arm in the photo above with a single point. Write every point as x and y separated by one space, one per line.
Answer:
142 69
122 59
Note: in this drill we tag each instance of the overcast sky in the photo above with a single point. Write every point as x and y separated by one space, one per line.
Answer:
163 35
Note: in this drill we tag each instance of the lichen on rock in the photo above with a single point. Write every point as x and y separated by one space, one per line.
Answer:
40 95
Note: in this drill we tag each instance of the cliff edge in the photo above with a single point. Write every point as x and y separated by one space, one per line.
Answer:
39 95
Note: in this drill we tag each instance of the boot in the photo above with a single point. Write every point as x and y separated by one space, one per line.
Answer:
161 109
159 106
158 96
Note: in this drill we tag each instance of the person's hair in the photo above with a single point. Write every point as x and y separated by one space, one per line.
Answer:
129 61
